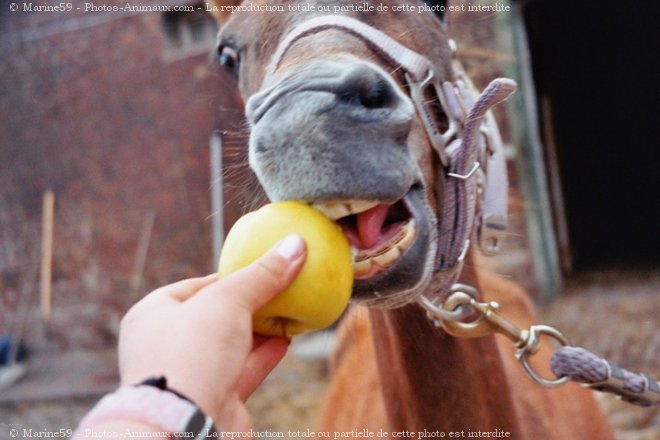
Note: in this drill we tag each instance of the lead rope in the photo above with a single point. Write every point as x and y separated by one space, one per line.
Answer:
584 367
567 362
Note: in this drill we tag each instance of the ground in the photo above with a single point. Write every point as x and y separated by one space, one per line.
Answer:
614 314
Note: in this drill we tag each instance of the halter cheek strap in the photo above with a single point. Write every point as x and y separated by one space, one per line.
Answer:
476 186
473 164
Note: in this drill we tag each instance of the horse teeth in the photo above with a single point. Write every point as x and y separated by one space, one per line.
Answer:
332 210
361 267
338 209
408 237
388 258
362 264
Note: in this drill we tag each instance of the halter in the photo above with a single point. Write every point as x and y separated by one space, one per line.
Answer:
470 150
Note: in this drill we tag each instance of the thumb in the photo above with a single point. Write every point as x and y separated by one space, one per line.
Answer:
254 285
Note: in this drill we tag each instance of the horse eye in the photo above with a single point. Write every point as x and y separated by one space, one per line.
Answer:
228 58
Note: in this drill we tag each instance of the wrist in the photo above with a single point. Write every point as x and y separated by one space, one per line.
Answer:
150 404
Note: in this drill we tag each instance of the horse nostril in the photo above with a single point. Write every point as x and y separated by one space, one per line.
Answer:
371 96
365 87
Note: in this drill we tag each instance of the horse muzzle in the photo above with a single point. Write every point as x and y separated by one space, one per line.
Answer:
332 131
336 135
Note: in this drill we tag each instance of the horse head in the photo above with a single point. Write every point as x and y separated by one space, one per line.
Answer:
341 117
368 116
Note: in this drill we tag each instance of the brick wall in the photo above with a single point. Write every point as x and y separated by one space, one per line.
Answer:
97 108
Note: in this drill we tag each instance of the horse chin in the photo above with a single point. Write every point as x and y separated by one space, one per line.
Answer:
390 270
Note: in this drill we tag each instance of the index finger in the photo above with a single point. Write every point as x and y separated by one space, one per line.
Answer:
184 289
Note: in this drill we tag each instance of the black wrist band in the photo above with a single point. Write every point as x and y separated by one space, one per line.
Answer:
198 424
160 382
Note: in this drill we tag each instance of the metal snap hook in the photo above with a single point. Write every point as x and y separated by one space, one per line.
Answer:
489 321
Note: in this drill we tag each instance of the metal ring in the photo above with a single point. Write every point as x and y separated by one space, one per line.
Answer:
440 313
532 346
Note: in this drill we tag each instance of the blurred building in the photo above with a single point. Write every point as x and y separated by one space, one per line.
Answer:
113 112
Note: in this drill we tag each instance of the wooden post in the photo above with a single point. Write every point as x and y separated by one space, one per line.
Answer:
141 253
48 217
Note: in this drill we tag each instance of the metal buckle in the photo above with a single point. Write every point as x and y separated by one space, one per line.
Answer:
426 114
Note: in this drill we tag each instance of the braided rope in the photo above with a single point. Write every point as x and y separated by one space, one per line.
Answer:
582 366
579 364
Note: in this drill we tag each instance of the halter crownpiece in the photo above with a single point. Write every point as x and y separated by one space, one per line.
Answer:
470 150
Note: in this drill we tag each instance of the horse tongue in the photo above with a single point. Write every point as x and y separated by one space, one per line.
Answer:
370 224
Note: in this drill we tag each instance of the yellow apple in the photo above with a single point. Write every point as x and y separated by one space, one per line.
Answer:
322 289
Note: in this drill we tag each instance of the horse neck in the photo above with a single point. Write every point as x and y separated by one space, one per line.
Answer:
433 381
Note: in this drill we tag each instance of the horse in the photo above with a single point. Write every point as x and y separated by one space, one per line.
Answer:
362 111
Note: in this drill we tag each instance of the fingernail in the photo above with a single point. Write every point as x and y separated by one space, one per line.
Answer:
291 247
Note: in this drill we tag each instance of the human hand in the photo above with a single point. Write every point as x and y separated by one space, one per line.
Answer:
198 334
